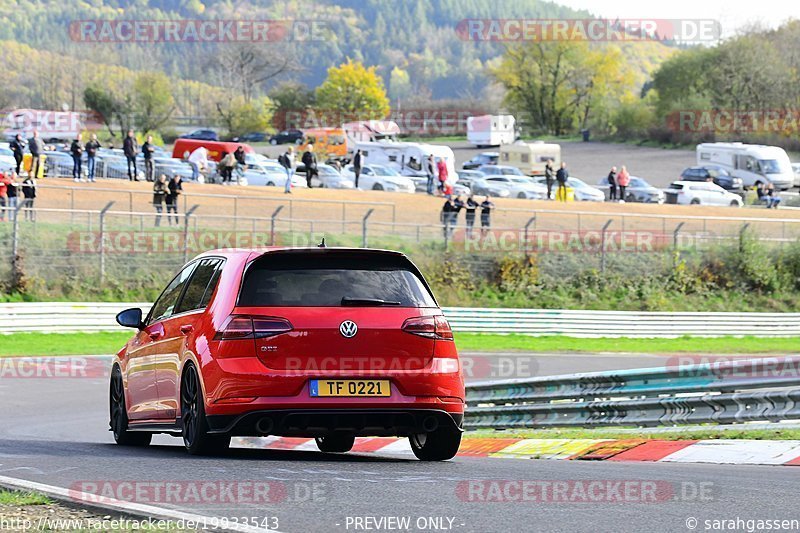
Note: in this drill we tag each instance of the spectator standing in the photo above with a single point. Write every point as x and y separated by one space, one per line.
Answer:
12 194
240 163
198 161
470 206
91 153
4 181
310 162
612 184
130 148
446 217
286 160
148 148
357 165
562 175
623 179
76 149
36 147
18 147
486 214
29 193
175 188
430 170
226 165
441 166
549 175
160 191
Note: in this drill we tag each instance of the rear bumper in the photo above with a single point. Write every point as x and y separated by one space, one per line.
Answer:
321 422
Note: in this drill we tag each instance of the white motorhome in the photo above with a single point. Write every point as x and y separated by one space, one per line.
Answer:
370 131
408 157
491 130
530 158
753 163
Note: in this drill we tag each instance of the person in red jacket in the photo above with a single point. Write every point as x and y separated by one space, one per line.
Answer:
4 183
441 168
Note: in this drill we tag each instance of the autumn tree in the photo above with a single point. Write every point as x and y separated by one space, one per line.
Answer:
153 102
353 90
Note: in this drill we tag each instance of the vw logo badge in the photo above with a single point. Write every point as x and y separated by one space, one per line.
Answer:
348 329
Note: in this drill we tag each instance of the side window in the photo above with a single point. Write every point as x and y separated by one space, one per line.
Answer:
165 305
200 284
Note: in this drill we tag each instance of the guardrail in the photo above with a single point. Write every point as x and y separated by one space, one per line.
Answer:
749 390
59 317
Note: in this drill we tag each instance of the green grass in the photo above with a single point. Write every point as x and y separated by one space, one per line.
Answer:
34 344
12 497
731 345
614 433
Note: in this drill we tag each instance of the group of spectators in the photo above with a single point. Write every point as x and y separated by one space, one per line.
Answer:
15 194
453 206
166 192
617 183
309 160
553 176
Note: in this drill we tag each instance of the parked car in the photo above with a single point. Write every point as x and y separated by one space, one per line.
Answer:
517 187
500 170
484 158
465 177
638 190
715 174
240 313
701 193
7 161
253 137
201 135
796 170
287 137
269 173
582 191
380 178
329 177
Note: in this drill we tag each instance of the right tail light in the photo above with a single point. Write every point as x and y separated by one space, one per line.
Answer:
431 327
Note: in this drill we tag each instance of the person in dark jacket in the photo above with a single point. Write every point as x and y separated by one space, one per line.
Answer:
36 147
18 147
11 192
175 188
612 184
470 206
160 190
130 148
310 162
486 214
562 175
357 165
430 170
241 165
148 148
549 175
448 209
29 192
91 153
76 149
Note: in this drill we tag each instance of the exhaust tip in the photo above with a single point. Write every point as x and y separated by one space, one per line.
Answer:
265 425
430 424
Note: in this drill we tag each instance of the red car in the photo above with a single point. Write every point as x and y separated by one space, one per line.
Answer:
330 343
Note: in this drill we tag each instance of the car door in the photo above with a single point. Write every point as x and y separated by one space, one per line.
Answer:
180 325
143 356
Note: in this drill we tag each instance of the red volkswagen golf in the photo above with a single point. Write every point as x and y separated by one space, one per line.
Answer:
330 343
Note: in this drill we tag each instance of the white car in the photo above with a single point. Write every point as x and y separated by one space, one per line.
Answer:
380 178
7 161
517 186
270 173
701 193
796 170
329 177
583 191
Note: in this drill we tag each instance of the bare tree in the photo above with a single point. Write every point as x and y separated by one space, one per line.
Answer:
246 67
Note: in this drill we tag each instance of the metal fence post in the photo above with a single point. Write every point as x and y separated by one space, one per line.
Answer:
741 235
103 242
272 225
603 245
130 206
675 244
364 228
186 232
531 220
15 238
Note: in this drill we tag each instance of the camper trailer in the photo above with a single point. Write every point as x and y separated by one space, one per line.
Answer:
753 163
371 131
530 158
407 158
491 130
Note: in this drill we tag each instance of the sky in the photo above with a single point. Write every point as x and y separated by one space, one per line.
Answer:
732 14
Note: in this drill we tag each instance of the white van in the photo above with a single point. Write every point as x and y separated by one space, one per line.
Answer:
753 163
530 158
408 158
491 130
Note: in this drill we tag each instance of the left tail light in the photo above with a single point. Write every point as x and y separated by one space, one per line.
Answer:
252 327
432 327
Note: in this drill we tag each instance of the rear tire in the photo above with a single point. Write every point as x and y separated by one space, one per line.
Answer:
695 201
734 204
439 445
521 196
119 416
336 442
195 428
377 187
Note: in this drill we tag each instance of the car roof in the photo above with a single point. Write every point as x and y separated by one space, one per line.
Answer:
254 252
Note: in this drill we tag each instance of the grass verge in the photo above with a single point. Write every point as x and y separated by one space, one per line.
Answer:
12 497
709 433
38 344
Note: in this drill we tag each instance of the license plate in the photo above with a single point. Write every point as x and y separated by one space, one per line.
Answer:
350 387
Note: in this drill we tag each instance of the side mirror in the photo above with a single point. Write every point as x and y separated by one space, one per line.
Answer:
130 318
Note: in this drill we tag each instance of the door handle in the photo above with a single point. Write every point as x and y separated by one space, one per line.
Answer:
187 328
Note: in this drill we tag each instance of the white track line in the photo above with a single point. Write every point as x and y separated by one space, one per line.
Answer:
110 504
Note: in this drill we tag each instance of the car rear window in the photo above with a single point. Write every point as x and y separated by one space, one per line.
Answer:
678 186
332 280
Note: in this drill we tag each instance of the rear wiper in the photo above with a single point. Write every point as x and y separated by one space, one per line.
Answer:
347 300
